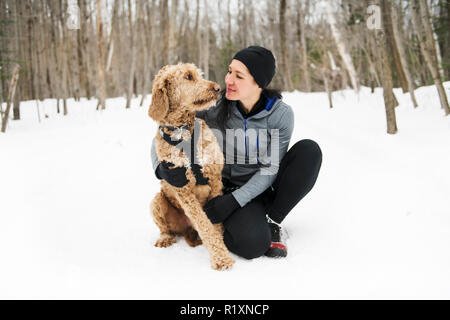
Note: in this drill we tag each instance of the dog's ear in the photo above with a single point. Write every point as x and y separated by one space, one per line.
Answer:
160 102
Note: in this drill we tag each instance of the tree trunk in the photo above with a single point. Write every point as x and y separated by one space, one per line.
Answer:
48 45
30 51
172 50
205 46
63 59
115 49
243 13
342 48
148 37
38 49
229 22
426 41
388 23
301 32
388 94
55 74
165 25
372 58
1 96
12 90
398 38
18 34
327 86
445 14
101 89
133 56
82 73
85 44
287 79
195 53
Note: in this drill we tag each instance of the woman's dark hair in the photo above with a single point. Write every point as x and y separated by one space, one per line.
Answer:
224 112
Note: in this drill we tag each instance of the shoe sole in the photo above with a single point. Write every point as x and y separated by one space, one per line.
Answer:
276 253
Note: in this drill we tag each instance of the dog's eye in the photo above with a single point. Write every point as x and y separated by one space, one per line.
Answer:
189 77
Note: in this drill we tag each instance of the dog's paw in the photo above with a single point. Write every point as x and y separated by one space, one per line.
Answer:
222 263
165 242
191 237
195 243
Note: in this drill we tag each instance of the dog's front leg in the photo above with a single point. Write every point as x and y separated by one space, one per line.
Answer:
216 188
211 237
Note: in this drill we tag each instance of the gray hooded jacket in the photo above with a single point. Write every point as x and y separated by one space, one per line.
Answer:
254 146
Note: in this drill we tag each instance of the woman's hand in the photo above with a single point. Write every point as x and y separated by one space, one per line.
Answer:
219 208
175 176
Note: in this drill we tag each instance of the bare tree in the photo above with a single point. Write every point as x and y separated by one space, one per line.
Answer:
133 53
65 74
119 55
388 94
205 42
342 48
393 48
165 31
172 41
428 48
398 37
18 34
11 92
81 50
148 51
101 89
301 38
284 54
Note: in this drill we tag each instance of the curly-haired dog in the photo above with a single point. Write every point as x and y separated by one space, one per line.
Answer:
179 91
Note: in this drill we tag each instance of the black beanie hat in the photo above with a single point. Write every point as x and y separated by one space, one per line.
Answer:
260 62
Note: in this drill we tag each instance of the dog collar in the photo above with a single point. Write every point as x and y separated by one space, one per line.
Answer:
173 140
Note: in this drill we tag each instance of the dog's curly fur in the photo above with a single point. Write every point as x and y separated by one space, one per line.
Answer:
178 92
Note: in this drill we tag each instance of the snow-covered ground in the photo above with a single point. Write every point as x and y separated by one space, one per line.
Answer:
75 222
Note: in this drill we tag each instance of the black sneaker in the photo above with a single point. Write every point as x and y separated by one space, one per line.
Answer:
277 248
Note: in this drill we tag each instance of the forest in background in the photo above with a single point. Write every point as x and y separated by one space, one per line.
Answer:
100 49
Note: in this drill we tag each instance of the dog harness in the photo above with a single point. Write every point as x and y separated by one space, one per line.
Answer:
188 146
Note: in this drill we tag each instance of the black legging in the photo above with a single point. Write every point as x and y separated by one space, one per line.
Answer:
247 232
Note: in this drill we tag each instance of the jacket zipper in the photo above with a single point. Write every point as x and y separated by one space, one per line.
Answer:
245 132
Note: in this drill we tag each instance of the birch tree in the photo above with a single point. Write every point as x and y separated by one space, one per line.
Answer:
11 92
426 40
342 48
398 38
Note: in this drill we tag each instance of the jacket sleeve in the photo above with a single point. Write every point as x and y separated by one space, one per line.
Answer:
265 176
154 156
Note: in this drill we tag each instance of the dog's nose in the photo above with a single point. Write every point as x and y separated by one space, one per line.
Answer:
216 87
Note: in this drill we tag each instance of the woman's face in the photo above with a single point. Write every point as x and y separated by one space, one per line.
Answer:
239 82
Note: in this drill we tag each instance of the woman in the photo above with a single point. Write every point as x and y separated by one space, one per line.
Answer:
259 190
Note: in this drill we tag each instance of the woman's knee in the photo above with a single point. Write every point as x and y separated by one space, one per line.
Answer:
254 245
249 244
308 148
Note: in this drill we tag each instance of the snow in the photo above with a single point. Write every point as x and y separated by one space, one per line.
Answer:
75 193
